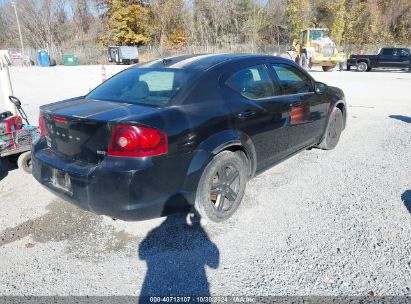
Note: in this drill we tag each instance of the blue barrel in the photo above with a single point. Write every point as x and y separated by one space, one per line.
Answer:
43 58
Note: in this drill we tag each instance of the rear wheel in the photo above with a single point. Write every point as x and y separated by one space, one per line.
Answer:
24 162
333 131
362 67
328 68
221 187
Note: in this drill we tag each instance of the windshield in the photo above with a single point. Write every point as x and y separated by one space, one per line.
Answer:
155 87
317 34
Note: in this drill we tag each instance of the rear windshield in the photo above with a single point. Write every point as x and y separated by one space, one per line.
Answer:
155 87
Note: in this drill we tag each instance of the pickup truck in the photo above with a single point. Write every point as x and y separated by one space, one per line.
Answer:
397 58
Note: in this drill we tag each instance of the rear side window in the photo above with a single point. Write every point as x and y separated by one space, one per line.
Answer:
292 80
252 82
389 52
155 87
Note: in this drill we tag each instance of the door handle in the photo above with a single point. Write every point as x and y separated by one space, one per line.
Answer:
247 114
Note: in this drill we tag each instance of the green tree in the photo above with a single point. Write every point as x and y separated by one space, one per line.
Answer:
169 16
300 16
129 23
331 14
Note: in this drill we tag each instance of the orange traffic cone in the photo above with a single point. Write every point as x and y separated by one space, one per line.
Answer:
103 73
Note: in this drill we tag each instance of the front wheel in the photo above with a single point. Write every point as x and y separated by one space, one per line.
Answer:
221 187
333 131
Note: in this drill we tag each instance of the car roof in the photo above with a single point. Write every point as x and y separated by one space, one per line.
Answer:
201 61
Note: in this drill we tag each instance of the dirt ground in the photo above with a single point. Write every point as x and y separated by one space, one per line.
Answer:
321 223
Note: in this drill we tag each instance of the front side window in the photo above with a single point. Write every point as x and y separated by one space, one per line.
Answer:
292 80
253 82
155 87
404 52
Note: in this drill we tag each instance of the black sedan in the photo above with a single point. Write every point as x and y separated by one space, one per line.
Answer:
162 137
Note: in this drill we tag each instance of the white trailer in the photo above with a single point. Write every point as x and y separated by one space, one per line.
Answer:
123 54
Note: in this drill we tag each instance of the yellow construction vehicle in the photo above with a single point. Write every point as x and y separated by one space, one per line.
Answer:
315 48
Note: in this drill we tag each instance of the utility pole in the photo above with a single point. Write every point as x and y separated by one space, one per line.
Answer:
5 84
13 3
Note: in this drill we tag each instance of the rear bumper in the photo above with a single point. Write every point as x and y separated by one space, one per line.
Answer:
127 189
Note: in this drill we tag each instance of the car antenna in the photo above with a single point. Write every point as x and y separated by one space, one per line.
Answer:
165 60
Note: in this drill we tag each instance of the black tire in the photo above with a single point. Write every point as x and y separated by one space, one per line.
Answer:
362 67
304 62
221 187
328 68
369 69
24 162
333 131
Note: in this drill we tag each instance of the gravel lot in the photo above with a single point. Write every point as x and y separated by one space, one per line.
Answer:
320 223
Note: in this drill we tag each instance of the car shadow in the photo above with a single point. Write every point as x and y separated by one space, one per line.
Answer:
388 70
177 253
321 71
5 166
3 174
401 117
406 199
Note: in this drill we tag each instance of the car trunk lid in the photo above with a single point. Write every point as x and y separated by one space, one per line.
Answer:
81 129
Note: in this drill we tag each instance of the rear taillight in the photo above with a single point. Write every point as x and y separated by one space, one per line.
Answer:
136 141
42 126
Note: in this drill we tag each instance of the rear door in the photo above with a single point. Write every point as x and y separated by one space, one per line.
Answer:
259 111
308 110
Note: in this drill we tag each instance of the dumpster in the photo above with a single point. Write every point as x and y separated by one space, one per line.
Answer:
69 59
43 58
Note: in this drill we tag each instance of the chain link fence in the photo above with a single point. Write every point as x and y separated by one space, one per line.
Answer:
88 55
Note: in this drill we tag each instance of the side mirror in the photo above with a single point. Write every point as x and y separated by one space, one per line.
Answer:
320 87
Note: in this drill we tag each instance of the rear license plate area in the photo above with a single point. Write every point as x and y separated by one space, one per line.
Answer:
61 180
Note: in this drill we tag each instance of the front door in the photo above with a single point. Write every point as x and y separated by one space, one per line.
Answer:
405 58
308 110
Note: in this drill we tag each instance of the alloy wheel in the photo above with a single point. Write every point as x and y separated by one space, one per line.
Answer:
362 67
224 189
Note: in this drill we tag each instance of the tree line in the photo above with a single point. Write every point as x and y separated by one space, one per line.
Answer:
173 24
